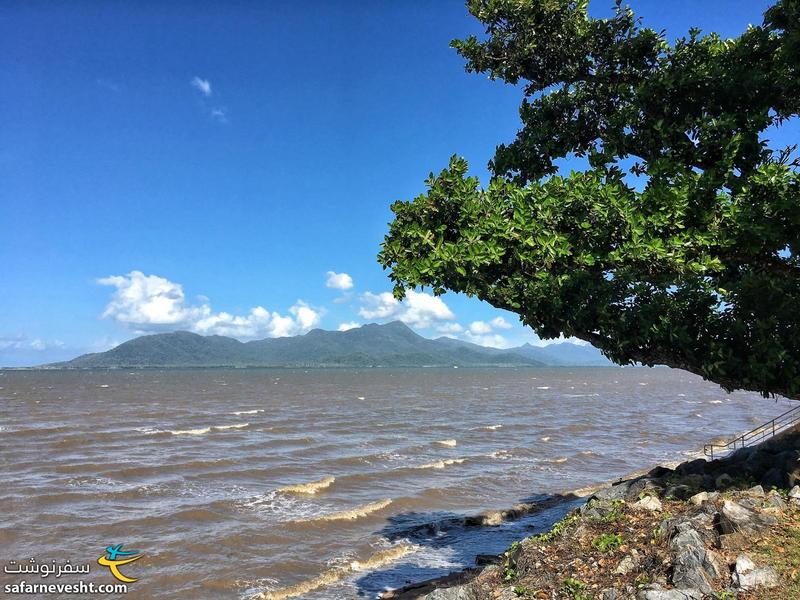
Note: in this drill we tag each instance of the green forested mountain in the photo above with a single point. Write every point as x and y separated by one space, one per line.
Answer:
389 345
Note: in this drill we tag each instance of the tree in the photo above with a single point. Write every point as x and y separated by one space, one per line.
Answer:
678 244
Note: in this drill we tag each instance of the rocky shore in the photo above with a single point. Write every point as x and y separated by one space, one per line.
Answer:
721 529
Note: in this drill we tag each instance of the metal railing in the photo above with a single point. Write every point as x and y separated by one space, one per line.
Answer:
757 435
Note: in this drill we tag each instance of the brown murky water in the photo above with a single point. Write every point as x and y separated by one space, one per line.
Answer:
206 472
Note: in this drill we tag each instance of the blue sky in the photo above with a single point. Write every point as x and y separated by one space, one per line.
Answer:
182 165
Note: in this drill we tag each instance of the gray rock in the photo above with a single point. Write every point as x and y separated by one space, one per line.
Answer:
738 518
627 565
686 537
747 576
615 492
610 594
656 592
458 592
598 508
698 499
650 503
794 493
693 467
756 491
691 568
774 500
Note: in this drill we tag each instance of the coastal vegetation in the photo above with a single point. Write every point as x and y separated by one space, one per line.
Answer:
677 243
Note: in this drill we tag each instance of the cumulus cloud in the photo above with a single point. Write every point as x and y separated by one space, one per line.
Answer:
418 309
338 281
203 85
493 340
500 323
148 303
484 334
449 328
349 325
480 328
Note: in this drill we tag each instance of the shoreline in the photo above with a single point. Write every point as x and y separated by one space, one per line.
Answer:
683 487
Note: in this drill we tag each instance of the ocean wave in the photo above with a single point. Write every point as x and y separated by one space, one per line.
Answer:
349 515
441 464
197 431
338 573
308 488
255 411
448 443
487 428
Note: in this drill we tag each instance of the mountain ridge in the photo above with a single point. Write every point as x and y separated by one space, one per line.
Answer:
392 344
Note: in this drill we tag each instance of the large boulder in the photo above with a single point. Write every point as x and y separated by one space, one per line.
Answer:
693 566
737 518
748 577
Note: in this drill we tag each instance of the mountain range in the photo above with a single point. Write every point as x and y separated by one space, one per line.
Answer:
389 345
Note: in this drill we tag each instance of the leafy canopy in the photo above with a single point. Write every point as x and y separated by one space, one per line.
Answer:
678 244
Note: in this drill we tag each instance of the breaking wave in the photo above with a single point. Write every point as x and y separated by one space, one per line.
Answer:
350 514
336 574
308 488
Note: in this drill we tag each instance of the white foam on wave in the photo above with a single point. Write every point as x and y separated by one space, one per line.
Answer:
488 428
308 488
500 454
543 387
224 427
441 464
255 411
339 572
196 431
715 402
546 438
448 443
350 514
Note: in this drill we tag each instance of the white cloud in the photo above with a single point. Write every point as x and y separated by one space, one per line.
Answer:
150 300
418 309
480 328
449 328
338 281
220 115
493 340
500 323
147 303
349 325
204 85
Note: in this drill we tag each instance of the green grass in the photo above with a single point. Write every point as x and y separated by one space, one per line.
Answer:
607 542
